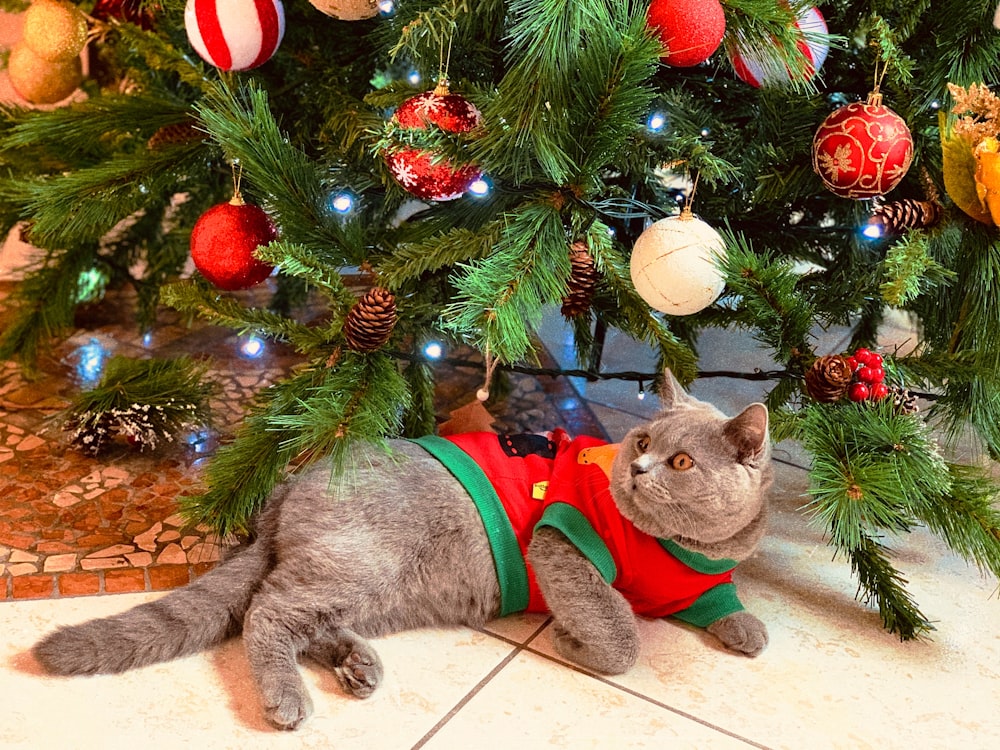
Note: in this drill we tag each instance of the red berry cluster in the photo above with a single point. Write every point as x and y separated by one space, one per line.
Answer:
869 376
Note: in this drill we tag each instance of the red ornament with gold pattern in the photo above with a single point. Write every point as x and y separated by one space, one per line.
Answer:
423 173
862 150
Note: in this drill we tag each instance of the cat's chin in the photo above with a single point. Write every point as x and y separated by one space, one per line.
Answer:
737 547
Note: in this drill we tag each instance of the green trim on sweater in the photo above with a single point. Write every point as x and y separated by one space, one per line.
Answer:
511 570
696 560
716 603
571 522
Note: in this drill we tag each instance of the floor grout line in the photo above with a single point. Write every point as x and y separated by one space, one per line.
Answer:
518 648
646 698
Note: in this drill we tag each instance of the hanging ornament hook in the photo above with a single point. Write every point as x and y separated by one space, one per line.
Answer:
444 64
237 199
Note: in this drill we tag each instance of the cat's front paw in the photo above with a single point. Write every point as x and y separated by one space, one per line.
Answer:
612 657
741 632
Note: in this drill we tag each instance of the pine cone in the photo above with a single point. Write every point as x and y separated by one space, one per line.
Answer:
903 401
896 217
582 281
370 322
179 132
828 378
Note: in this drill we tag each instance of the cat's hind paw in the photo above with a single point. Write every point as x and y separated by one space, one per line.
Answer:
741 632
287 707
359 673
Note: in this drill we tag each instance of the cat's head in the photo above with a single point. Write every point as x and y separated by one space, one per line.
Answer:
693 475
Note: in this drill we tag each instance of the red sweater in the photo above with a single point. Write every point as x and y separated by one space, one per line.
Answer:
520 483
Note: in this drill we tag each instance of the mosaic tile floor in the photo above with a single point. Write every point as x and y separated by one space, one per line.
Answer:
71 524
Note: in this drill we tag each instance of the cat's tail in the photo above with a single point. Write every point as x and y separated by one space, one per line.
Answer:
185 621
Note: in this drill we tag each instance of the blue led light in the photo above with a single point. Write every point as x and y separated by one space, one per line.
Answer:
656 122
433 350
252 347
90 360
386 8
873 231
413 77
480 188
341 202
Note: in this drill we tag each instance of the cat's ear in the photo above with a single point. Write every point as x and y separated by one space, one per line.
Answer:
672 393
747 431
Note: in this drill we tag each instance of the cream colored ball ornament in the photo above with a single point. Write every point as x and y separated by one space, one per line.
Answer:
347 10
674 265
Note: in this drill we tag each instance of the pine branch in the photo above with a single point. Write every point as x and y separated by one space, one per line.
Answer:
43 305
500 298
242 474
766 299
766 33
85 204
91 129
967 516
152 57
410 261
297 260
910 270
614 95
361 399
883 586
419 418
228 311
545 48
899 64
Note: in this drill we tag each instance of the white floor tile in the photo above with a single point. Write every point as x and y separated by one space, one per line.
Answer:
535 703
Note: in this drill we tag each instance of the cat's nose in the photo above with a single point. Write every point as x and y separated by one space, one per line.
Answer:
637 468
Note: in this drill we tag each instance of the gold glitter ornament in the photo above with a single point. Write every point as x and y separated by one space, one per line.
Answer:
41 81
55 30
347 10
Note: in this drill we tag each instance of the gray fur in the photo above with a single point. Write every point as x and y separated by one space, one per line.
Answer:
397 544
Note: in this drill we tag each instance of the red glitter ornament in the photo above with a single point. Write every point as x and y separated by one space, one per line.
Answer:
691 30
124 10
223 241
862 150
423 173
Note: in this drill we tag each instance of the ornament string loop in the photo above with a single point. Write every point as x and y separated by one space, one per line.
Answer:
491 365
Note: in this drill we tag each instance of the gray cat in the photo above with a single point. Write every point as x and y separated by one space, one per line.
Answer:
397 544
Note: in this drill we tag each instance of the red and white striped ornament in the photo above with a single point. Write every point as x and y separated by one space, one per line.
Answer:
753 66
235 34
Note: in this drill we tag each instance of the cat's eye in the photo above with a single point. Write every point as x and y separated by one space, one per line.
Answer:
681 461
642 444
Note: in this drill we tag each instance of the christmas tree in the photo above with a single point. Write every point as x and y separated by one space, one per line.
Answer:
421 170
